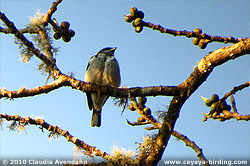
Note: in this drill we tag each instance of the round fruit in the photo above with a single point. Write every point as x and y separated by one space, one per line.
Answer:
213 106
65 25
66 38
133 11
140 14
196 41
147 110
141 119
198 30
57 35
138 29
137 21
202 45
129 18
71 33
215 97
227 107
142 100
131 107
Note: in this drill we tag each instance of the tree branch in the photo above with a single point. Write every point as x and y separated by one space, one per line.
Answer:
199 76
236 89
52 10
44 37
76 84
27 43
146 115
181 92
23 92
64 81
215 112
49 14
157 125
192 34
138 123
22 31
136 17
226 114
192 145
57 130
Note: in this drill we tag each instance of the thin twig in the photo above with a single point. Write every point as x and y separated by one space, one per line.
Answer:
233 104
22 31
52 10
236 89
148 117
223 115
227 115
138 123
47 18
192 34
192 145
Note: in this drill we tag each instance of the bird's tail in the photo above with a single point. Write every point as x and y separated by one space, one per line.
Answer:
96 118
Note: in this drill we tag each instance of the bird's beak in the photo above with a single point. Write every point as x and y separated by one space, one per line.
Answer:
113 49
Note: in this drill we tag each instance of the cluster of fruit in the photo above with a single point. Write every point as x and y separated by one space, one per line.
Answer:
136 17
201 42
141 103
213 103
64 32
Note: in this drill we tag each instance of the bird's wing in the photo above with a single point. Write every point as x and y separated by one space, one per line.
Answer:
90 101
94 74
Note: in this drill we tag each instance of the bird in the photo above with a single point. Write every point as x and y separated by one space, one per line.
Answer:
102 69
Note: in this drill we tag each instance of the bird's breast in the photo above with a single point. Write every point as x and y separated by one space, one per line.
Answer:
111 74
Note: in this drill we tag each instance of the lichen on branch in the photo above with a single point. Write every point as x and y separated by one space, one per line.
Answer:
55 130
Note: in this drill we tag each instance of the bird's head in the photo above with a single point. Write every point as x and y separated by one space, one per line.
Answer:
107 51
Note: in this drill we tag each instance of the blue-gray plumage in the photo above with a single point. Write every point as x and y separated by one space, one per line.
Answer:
102 69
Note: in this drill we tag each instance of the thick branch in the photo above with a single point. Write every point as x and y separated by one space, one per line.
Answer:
122 92
199 76
64 80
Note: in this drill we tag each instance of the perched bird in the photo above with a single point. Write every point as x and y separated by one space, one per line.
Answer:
102 69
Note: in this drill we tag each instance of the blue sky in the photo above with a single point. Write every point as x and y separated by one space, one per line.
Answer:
146 59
